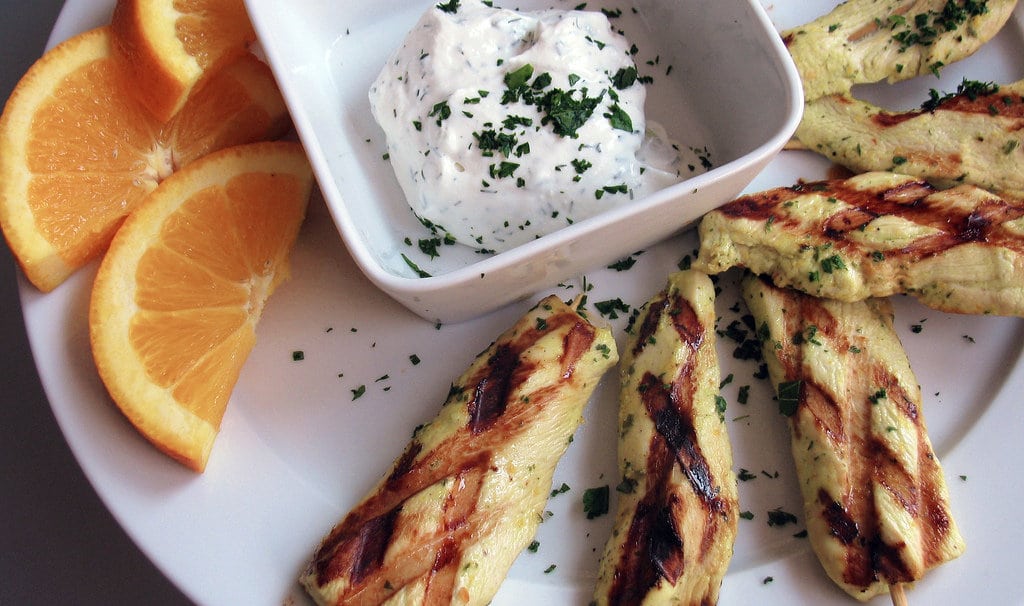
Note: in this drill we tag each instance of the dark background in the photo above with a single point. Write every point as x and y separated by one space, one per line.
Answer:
58 543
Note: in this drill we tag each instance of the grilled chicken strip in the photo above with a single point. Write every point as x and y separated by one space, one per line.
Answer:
875 499
876 234
676 522
864 41
445 524
971 137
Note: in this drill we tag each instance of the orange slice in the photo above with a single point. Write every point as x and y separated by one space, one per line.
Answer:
179 293
167 46
77 153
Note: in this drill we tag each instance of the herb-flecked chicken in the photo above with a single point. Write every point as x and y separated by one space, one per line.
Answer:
875 499
864 41
876 234
677 517
466 496
971 136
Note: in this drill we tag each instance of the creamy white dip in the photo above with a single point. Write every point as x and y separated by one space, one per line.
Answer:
504 126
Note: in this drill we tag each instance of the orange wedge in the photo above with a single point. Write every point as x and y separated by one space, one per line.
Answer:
167 46
77 153
178 295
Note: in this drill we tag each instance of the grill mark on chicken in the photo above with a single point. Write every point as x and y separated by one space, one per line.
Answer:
816 400
356 547
1001 104
576 342
971 137
800 223
649 325
459 506
851 516
489 400
654 544
981 224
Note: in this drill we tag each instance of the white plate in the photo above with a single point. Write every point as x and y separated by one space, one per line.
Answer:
296 451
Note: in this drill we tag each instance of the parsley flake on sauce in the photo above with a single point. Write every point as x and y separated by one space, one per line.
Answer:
624 78
566 113
619 119
452 6
442 111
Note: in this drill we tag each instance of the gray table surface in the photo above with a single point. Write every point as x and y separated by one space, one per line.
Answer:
59 543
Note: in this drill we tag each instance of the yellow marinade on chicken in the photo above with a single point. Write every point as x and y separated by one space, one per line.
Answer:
875 499
959 250
864 41
445 524
971 136
677 515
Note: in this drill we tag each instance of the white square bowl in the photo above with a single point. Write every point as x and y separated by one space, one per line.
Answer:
722 80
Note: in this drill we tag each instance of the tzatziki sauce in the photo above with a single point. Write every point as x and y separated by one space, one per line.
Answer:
504 126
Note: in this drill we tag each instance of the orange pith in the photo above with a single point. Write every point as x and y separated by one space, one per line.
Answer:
77 153
178 296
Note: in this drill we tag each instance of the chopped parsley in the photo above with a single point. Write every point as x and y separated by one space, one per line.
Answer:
564 488
925 28
833 263
619 119
744 475
789 396
502 170
610 307
580 165
298 355
490 141
743 395
627 485
623 264
595 502
720 407
780 517
518 78
566 113
624 78
416 268
972 89
452 6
